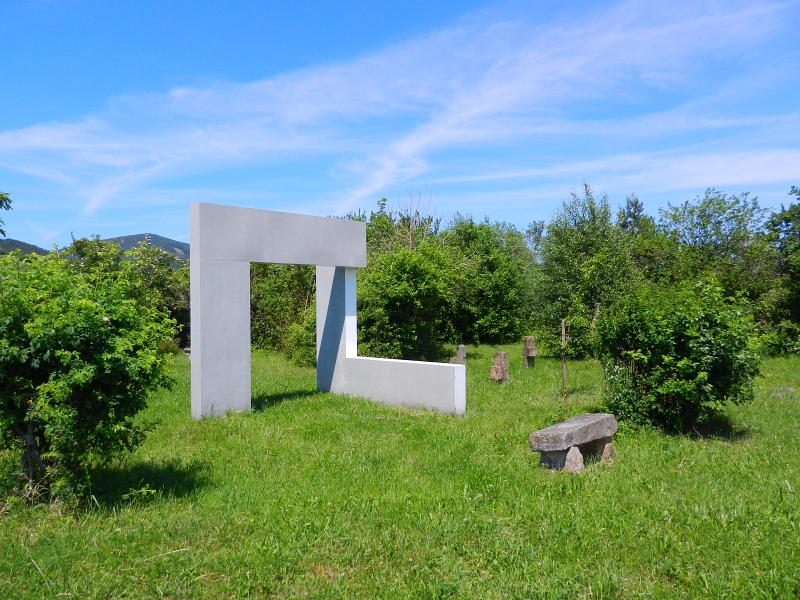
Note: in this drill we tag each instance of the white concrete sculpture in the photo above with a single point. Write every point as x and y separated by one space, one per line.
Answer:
224 241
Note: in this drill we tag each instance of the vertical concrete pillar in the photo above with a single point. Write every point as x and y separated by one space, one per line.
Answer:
220 313
337 337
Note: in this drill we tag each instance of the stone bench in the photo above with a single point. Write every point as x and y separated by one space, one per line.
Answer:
563 445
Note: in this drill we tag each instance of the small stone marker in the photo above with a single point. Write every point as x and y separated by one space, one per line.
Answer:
529 351
499 371
461 356
563 445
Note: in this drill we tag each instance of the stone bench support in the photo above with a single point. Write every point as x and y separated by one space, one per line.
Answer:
564 445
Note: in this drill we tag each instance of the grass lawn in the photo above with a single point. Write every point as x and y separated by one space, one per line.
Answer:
320 496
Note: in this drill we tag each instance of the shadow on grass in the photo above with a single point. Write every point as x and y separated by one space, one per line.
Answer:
146 481
583 388
720 427
262 401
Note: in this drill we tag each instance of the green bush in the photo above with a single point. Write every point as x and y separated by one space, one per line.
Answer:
675 358
426 286
489 294
78 357
155 273
281 297
403 303
301 339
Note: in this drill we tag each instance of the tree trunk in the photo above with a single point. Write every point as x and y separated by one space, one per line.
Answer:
563 359
32 464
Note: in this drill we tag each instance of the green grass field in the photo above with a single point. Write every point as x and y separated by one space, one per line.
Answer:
320 496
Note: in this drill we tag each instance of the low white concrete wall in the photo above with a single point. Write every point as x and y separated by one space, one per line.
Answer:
438 386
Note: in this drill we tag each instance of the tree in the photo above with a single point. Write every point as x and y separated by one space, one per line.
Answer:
282 298
5 204
721 235
585 260
780 307
488 281
631 215
784 233
78 358
404 303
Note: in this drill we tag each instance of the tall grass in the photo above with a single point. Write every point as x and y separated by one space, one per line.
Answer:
321 496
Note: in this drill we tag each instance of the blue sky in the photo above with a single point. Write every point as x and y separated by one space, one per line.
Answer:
115 116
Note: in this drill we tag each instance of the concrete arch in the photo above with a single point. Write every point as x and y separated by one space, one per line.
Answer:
224 241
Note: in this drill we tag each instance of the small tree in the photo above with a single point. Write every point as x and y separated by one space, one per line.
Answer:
155 273
78 358
403 303
488 268
721 235
584 259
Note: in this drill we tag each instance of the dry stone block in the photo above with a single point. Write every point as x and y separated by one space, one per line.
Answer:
499 371
530 351
461 356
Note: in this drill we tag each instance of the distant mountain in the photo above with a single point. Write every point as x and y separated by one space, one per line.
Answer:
8 245
179 249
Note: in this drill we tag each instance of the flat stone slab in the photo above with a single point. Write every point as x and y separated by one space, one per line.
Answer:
576 431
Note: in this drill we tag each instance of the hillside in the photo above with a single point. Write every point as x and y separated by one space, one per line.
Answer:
8 245
179 249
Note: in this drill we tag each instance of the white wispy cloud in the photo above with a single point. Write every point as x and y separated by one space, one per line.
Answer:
477 87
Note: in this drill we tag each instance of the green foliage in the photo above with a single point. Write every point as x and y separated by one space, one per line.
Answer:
674 358
301 339
158 275
403 303
488 267
78 358
5 204
426 286
721 235
281 299
784 232
585 260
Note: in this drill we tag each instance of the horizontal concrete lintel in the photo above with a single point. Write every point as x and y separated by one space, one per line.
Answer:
231 233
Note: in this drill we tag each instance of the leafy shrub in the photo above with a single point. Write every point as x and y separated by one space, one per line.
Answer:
301 339
281 299
403 304
155 273
488 278
676 358
426 286
78 357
